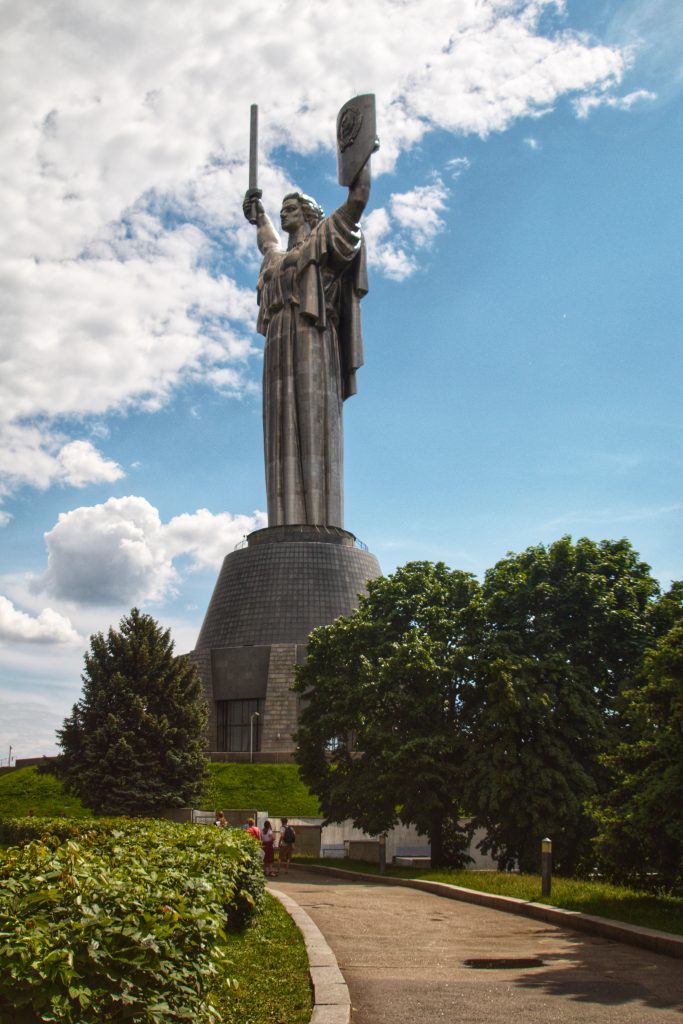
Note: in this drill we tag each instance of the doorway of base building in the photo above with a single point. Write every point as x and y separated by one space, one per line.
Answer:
239 725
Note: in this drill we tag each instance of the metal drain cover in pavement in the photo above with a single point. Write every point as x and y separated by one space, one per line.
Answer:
504 963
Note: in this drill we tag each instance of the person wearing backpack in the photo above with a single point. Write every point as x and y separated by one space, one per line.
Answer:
286 846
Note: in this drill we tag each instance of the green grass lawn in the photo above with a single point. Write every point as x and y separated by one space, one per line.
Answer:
275 788
23 791
270 965
618 903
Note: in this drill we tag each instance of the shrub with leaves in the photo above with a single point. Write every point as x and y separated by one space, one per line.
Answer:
124 923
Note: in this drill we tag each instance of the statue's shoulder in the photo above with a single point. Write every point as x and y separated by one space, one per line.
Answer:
272 258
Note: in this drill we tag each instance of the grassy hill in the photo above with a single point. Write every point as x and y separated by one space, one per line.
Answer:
24 791
275 788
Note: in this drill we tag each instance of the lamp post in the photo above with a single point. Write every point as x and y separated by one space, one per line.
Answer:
256 714
546 866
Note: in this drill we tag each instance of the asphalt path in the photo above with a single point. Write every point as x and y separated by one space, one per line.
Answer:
411 957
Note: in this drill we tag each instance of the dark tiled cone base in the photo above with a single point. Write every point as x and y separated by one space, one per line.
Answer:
268 597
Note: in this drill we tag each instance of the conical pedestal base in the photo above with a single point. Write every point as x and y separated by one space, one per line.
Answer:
269 595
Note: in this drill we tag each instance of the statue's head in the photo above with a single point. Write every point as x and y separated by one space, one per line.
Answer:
312 212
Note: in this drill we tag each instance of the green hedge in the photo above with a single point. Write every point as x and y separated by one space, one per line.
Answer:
119 920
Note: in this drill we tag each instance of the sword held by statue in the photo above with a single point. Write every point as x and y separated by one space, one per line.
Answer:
253 161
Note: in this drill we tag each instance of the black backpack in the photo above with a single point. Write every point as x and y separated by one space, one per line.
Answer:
290 834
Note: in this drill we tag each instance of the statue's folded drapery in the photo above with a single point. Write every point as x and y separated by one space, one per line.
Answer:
309 313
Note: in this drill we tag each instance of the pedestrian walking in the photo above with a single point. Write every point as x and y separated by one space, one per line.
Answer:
286 845
268 844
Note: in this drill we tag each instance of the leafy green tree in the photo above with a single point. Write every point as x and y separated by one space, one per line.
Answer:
640 818
565 630
438 696
134 741
589 600
667 610
379 739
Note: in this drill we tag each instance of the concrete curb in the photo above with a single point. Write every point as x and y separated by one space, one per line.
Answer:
633 935
331 1000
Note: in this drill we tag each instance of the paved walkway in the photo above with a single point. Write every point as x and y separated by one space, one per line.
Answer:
403 952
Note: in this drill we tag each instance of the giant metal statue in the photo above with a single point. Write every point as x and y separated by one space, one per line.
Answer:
308 296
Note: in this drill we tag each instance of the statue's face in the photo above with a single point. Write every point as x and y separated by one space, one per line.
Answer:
291 215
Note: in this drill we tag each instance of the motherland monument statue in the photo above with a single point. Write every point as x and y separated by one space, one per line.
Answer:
304 569
308 298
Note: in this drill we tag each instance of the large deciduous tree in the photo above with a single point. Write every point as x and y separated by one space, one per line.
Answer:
134 742
502 701
379 739
565 630
640 818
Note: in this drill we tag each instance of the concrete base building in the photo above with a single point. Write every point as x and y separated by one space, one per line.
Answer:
281 584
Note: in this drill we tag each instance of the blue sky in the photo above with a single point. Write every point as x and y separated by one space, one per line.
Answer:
523 326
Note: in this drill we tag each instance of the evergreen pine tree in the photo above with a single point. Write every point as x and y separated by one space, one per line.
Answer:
134 742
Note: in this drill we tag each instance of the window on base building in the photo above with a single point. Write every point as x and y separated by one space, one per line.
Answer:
239 724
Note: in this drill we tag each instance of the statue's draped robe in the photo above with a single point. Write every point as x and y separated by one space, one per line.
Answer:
309 313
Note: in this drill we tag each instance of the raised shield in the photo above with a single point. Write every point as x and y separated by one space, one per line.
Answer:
356 136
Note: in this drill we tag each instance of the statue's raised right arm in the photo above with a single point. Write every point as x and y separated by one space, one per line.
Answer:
266 235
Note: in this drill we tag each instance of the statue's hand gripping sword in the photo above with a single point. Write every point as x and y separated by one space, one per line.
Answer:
254 193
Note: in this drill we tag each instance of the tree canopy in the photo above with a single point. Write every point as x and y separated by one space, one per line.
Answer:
565 628
440 697
379 738
640 816
134 742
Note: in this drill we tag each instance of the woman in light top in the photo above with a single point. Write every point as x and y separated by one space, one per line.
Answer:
268 844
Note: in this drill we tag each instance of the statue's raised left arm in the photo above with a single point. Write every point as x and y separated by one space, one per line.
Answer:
359 193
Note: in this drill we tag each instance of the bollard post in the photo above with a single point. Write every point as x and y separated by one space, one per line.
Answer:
546 866
382 853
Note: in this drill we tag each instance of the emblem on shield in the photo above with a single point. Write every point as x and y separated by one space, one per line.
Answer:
350 124
356 136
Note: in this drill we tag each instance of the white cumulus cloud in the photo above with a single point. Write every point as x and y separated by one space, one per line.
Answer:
417 212
124 144
207 538
383 251
39 457
411 223
120 552
49 627
585 104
